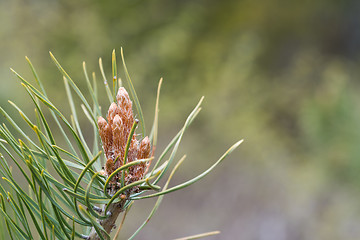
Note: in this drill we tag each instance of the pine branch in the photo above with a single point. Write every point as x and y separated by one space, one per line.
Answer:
56 190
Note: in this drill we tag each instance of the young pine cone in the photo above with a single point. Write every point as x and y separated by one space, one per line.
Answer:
114 135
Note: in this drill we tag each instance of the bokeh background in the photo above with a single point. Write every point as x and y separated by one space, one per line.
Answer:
283 75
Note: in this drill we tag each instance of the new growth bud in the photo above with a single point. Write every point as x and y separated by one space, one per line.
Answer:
114 135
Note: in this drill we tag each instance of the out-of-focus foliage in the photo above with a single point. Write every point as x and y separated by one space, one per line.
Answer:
282 74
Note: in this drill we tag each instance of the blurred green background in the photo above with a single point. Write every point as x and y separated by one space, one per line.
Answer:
283 75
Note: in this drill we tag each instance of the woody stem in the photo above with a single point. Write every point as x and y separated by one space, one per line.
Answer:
109 223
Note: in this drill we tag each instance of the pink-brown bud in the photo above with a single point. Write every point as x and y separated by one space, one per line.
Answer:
144 149
113 110
105 133
123 99
125 109
118 139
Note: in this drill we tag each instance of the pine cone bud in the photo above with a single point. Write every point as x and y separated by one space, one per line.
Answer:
114 136
125 109
123 99
105 133
144 149
113 110
118 139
